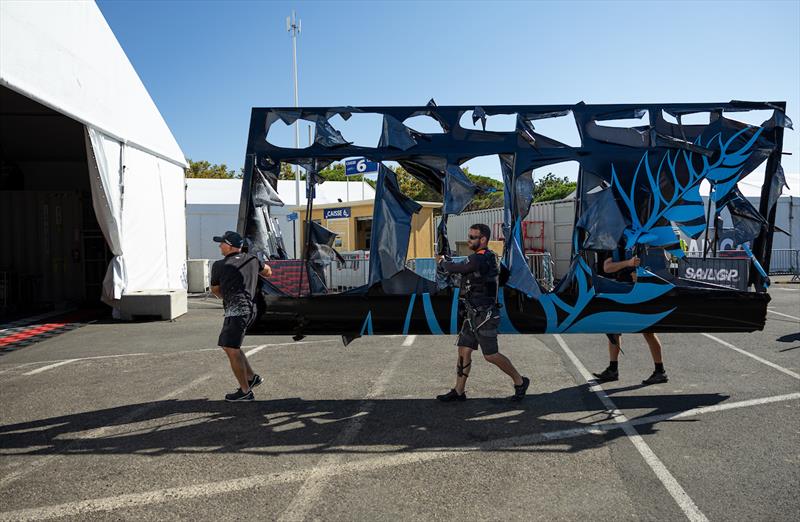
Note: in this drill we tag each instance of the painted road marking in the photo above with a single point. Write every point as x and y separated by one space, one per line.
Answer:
409 340
677 492
754 356
784 315
49 366
153 354
314 485
161 496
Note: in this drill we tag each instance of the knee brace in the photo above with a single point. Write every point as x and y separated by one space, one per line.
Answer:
462 370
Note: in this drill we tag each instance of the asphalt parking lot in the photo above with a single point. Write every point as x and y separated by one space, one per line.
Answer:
118 421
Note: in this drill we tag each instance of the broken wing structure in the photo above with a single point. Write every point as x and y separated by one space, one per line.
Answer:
638 189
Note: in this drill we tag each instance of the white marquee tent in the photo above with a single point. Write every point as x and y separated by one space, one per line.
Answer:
64 56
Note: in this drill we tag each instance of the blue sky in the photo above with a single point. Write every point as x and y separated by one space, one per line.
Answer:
207 63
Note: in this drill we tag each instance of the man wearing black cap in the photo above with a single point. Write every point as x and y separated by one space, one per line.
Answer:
235 279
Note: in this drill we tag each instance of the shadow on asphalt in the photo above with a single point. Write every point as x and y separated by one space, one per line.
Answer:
294 425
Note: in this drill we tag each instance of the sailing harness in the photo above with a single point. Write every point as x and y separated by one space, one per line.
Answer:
479 290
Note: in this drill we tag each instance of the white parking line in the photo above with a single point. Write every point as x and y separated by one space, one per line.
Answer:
677 492
409 340
153 354
49 366
754 356
314 485
161 496
255 350
784 315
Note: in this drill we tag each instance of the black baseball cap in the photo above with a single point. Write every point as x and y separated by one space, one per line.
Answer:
230 237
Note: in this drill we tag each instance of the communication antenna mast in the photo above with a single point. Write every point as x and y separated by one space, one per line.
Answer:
293 26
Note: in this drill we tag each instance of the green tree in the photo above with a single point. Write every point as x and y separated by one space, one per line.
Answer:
551 187
414 188
547 188
204 169
485 200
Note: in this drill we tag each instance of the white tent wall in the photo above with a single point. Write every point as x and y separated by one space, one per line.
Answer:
153 227
63 55
142 224
104 160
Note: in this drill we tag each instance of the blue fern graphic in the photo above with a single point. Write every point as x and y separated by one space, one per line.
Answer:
617 321
684 206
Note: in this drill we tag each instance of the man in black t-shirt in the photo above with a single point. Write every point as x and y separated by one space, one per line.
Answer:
235 279
479 284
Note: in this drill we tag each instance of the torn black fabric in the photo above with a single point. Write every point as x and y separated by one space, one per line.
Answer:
395 134
326 135
602 220
391 227
776 188
458 190
747 222
263 193
320 255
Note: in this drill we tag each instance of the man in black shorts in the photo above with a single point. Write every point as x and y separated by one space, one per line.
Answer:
618 264
479 285
235 279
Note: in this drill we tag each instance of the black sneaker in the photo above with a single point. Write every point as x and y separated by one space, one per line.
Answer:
239 396
451 396
255 381
608 375
519 391
657 378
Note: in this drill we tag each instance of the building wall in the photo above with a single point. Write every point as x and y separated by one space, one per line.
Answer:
203 222
422 228
557 216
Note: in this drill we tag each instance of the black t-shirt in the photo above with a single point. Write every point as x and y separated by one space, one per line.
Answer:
624 275
237 277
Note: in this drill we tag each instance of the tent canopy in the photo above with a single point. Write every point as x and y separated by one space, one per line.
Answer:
64 55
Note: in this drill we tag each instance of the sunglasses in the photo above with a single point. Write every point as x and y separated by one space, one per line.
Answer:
474 238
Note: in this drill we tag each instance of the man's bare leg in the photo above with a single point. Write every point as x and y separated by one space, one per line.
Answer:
463 367
239 371
614 349
611 373
249 373
655 347
504 363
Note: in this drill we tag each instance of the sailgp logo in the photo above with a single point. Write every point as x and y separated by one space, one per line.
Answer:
727 275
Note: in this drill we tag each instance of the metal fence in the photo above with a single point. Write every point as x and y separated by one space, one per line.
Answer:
785 262
426 266
354 272
541 264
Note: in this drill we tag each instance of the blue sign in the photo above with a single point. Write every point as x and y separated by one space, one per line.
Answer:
334 213
292 217
357 167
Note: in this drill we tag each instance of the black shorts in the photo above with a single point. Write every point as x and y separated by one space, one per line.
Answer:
485 336
234 329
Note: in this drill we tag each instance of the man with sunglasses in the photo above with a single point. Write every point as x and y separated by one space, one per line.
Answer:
479 287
